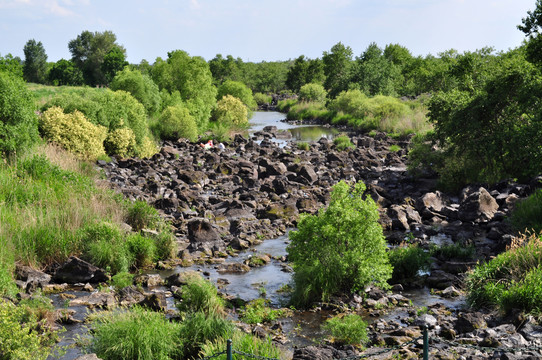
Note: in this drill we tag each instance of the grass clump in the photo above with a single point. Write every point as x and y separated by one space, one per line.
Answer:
257 311
142 216
200 295
457 251
407 261
348 329
342 142
510 280
527 214
242 342
305 146
122 280
135 334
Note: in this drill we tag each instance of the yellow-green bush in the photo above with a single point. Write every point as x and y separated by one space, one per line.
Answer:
73 132
121 142
147 148
231 110
20 341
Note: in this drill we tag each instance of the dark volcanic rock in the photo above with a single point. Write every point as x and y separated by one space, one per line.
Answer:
75 270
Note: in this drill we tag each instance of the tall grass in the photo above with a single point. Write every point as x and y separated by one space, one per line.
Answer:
242 342
527 215
348 329
510 280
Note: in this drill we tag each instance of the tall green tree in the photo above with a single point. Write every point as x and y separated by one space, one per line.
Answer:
225 68
35 62
114 61
64 72
532 26
375 73
88 51
337 65
191 77
304 71
140 86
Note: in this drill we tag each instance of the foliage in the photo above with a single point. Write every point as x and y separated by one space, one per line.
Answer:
231 111
407 261
511 279
111 109
246 343
238 90
456 251
192 78
262 99
114 61
200 295
343 142
20 337
531 27
348 329
64 72
303 146
121 142
7 267
35 62
88 52
304 71
312 92
18 123
342 249
12 65
307 111
488 129
73 132
140 86
527 213
176 122
135 334
199 328
257 311
337 63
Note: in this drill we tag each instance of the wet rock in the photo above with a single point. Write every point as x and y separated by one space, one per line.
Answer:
130 295
426 320
65 316
75 270
233 268
155 301
88 357
149 280
96 300
202 234
31 279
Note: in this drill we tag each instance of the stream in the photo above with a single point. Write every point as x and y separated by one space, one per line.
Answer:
303 328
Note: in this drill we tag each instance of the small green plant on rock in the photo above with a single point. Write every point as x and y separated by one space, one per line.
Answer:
343 143
348 329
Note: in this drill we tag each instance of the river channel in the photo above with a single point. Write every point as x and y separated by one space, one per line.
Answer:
266 281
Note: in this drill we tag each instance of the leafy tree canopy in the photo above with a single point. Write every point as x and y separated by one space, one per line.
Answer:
35 62
64 72
337 64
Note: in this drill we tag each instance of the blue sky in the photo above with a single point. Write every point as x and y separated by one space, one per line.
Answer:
257 30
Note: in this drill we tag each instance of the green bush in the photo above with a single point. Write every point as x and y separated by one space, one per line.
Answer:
351 102
165 242
135 334
73 132
142 249
307 111
239 90
20 336
200 295
140 86
258 311
246 343
312 92
285 105
511 279
141 216
343 142
262 99
349 329
342 249
407 261
176 122
527 214
18 123
231 111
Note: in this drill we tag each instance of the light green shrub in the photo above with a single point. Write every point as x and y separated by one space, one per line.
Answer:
18 123
262 99
73 132
105 247
20 339
176 122
343 142
232 111
312 92
239 90
140 86
407 261
141 216
258 311
340 250
120 142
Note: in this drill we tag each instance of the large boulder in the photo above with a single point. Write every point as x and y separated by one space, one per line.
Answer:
202 234
75 270
31 279
477 205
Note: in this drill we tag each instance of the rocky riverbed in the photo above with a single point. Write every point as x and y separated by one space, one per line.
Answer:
220 201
